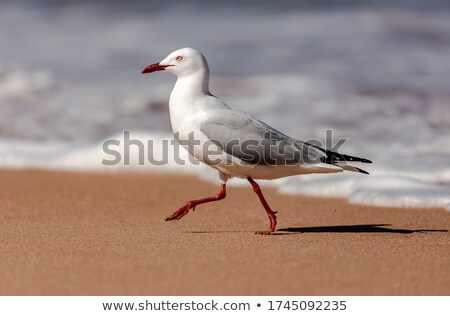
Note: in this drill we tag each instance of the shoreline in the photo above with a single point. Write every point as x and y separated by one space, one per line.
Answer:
79 233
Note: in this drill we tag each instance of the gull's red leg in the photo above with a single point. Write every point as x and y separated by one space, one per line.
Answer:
270 213
192 204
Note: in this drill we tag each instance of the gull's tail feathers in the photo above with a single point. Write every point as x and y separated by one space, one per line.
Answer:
341 160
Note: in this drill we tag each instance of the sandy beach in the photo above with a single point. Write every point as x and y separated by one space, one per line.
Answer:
104 234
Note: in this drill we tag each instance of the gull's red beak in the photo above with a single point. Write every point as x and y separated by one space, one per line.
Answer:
153 68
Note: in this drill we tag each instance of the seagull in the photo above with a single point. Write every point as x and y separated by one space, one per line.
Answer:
233 142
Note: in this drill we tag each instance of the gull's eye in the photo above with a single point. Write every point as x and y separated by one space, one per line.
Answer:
179 58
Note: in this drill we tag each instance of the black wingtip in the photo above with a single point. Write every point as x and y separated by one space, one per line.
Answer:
356 159
366 160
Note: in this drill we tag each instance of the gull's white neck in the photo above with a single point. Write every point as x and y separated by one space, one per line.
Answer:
188 98
189 88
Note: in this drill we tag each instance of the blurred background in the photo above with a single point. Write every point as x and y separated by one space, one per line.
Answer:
376 72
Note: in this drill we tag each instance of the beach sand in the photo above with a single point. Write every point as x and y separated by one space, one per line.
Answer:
104 234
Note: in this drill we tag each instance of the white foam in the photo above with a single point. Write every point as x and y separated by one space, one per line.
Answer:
20 154
376 189
401 192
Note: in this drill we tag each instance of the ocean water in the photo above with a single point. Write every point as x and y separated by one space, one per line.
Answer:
70 79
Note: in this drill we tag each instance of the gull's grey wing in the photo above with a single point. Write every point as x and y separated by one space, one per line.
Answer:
255 142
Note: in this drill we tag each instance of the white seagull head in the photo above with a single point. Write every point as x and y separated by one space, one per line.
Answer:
182 62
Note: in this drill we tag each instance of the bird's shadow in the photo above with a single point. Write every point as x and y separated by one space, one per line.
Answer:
366 228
